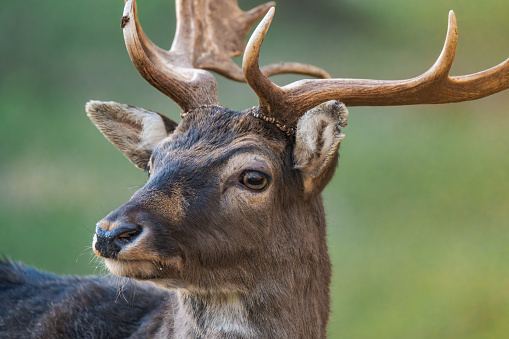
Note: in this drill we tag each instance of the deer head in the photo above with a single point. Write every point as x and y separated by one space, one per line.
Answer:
232 205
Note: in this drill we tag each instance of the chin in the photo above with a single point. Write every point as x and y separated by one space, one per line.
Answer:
160 272
137 269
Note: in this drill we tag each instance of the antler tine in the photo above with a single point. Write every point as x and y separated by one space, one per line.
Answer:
263 87
295 68
443 65
273 99
435 86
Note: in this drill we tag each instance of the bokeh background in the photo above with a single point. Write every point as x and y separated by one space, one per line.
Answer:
418 210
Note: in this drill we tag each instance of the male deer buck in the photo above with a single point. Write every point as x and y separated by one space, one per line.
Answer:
230 225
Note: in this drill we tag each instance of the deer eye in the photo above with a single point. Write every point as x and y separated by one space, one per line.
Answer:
254 180
148 170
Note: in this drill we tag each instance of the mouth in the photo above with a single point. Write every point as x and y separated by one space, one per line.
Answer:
139 269
145 269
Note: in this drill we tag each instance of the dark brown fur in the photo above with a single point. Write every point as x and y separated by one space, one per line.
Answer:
42 306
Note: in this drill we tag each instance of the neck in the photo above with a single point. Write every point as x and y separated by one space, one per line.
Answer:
272 311
212 315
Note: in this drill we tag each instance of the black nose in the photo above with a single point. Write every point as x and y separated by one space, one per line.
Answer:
109 243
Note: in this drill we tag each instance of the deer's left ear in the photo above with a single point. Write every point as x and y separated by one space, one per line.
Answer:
134 131
317 141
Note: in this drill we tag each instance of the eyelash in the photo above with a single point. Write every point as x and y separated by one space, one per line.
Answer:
148 169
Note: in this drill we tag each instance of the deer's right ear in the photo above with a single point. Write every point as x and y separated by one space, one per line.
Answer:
134 131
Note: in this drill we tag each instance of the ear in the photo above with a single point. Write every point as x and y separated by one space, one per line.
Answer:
134 131
316 144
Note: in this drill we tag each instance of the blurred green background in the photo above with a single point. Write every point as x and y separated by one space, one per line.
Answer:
418 210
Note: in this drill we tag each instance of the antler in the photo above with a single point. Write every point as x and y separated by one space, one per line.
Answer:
433 87
207 36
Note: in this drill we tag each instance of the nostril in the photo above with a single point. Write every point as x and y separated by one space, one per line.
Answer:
126 233
109 243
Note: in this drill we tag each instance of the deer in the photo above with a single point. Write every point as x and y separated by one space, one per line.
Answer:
227 238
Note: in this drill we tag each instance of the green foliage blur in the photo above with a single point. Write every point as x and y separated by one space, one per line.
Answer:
418 210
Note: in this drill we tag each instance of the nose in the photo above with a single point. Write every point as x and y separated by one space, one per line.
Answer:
110 242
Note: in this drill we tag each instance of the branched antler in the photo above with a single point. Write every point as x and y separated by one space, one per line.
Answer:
435 86
208 34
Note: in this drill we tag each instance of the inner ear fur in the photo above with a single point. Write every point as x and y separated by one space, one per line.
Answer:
317 142
133 130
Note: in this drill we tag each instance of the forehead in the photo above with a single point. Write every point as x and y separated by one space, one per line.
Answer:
216 130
